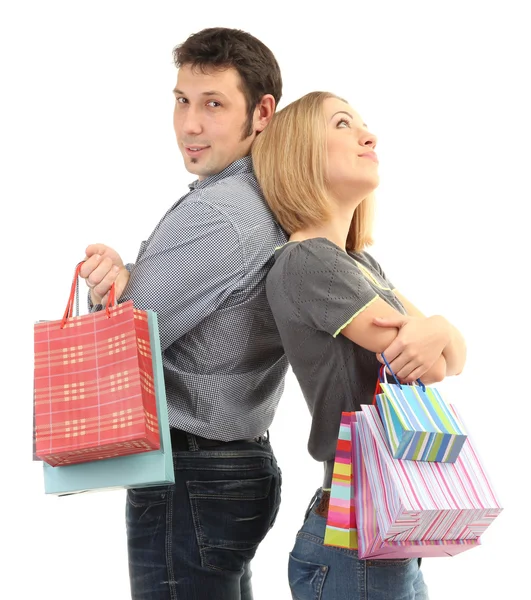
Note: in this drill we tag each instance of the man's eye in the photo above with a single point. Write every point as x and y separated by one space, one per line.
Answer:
181 100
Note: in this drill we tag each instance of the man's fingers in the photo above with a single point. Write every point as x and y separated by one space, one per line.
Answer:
97 275
95 249
89 266
107 276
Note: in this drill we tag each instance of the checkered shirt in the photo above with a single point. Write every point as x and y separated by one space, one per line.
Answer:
202 271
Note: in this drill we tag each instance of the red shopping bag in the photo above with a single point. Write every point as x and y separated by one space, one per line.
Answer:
94 394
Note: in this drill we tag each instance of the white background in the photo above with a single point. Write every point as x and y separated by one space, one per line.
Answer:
88 155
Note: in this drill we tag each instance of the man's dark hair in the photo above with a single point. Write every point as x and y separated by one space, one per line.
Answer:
222 48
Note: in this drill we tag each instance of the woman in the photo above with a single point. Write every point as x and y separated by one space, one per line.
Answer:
337 312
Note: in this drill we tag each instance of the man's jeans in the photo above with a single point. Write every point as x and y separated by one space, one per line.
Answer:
328 573
195 540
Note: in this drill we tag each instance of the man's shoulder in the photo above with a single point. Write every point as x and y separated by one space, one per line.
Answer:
239 200
231 191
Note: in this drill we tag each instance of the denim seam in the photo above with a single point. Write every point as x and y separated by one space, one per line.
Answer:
169 544
228 498
362 579
199 536
234 497
321 577
220 467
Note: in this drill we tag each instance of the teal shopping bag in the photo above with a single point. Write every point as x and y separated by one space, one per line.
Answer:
133 471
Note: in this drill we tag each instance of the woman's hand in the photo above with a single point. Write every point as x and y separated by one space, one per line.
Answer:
417 348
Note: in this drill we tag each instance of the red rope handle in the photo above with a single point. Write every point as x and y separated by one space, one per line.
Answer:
69 311
111 300
378 388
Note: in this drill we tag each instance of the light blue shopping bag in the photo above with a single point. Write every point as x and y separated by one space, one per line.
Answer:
134 471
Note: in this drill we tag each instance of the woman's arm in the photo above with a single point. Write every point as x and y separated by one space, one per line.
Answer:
416 346
455 350
416 333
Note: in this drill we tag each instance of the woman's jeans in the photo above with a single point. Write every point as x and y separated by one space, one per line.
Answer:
318 572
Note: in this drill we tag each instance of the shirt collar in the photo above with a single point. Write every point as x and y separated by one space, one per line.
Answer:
242 165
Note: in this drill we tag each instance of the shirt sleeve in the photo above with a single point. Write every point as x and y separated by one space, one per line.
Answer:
378 268
325 287
191 264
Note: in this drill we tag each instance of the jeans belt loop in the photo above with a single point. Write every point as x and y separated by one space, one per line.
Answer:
192 442
313 502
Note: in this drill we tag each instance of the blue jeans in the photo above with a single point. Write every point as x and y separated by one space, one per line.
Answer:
318 572
194 540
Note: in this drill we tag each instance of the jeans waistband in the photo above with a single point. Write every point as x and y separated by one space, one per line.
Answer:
183 440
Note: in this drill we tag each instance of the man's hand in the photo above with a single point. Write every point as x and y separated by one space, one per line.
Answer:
417 347
103 267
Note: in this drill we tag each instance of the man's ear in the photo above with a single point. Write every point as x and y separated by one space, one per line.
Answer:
264 112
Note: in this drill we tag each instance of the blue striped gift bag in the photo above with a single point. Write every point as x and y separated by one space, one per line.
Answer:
419 424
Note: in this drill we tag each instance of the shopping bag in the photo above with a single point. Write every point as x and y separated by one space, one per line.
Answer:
93 385
341 522
147 469
419 424
421 501
371 544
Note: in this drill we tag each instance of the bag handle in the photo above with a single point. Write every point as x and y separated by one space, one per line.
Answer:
74 295
382 376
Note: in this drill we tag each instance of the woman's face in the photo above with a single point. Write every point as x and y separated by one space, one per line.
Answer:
352 161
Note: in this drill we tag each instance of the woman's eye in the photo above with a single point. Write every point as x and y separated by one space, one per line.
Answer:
343 123
214 103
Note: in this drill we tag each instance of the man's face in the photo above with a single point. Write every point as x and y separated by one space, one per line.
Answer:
210 119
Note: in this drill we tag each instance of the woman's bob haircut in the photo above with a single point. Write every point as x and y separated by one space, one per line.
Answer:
290 163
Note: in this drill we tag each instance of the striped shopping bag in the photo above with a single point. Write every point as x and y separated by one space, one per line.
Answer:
341 521
419 424
371 544
424 501
94 395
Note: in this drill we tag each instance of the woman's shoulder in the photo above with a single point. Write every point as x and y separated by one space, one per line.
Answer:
311 250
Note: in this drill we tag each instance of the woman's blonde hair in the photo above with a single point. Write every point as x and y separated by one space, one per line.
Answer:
290 162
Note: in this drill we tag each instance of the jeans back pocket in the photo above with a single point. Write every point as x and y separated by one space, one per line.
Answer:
231 517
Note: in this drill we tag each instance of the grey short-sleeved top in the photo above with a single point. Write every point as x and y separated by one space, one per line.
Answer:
315 289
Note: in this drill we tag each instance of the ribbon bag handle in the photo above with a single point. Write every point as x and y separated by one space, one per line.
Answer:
74 295
382 377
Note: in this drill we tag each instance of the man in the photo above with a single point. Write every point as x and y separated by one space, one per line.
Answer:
202 270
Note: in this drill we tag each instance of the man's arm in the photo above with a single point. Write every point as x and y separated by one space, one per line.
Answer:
190 266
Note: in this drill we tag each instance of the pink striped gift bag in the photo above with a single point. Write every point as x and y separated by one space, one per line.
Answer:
371 544
341 522
424 501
